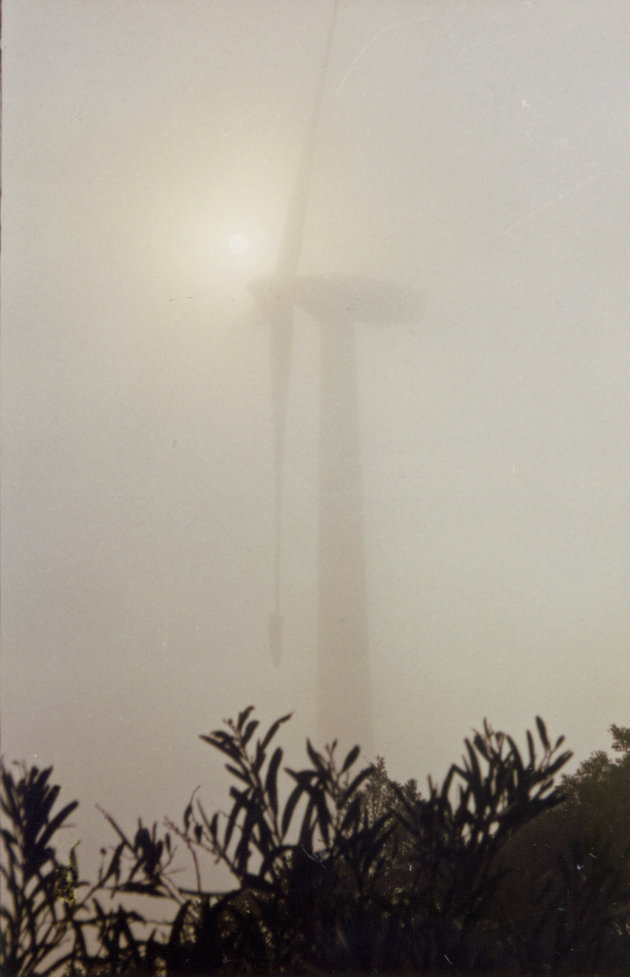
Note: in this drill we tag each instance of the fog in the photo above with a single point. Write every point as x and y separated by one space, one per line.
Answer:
474 155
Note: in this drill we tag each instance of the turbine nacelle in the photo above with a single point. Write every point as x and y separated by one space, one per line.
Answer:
334 296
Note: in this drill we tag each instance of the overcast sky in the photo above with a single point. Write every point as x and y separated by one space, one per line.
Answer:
477 152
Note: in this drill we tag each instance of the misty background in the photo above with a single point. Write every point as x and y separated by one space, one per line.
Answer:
475 152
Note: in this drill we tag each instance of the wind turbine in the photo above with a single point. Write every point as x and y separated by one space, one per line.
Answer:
276 296
338 303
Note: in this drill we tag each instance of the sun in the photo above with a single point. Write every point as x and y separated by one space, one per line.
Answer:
238 243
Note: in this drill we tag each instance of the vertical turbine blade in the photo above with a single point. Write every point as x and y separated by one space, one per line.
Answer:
282 321
295 220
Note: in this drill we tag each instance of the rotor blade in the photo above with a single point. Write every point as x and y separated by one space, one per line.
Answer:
282 319
295 221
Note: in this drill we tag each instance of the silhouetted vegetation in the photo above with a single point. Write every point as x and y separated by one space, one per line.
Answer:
565 899
338 870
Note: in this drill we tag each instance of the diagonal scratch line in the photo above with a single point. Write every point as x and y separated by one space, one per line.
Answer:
388 27
546 205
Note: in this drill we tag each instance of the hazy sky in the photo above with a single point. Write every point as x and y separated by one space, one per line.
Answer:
477 152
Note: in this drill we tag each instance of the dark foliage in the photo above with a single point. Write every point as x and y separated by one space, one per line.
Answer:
38 892
339 870
52 922
565 901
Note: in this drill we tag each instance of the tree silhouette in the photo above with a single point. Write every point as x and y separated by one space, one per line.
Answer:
39 899
566 898
338 868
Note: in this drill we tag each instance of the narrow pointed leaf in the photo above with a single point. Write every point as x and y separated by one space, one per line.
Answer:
273 729
316 758
237 772
289 808
223 743
542 732
532 752
250 729
271 787
187 816
350 759
57 821
243 717
480 746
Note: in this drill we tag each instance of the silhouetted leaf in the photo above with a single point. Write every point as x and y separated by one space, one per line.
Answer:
243 717
114 865
250 729
350 759
474 776
273 729
260 758
214 825
240 803
306 828
289 808
446 786
221 741
316 758
237 772
516 757
270 782
265 841
481 746
559 762
532 752
57 822
187 816
243 851
323 814
542 732
116 828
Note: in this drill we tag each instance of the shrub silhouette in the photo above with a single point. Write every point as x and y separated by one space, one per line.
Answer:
565 899
337 869
50 920
39 893
315 901
306 871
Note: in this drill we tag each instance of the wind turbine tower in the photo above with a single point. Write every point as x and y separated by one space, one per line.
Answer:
338 303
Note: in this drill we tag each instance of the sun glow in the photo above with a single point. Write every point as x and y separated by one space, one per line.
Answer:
238 243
